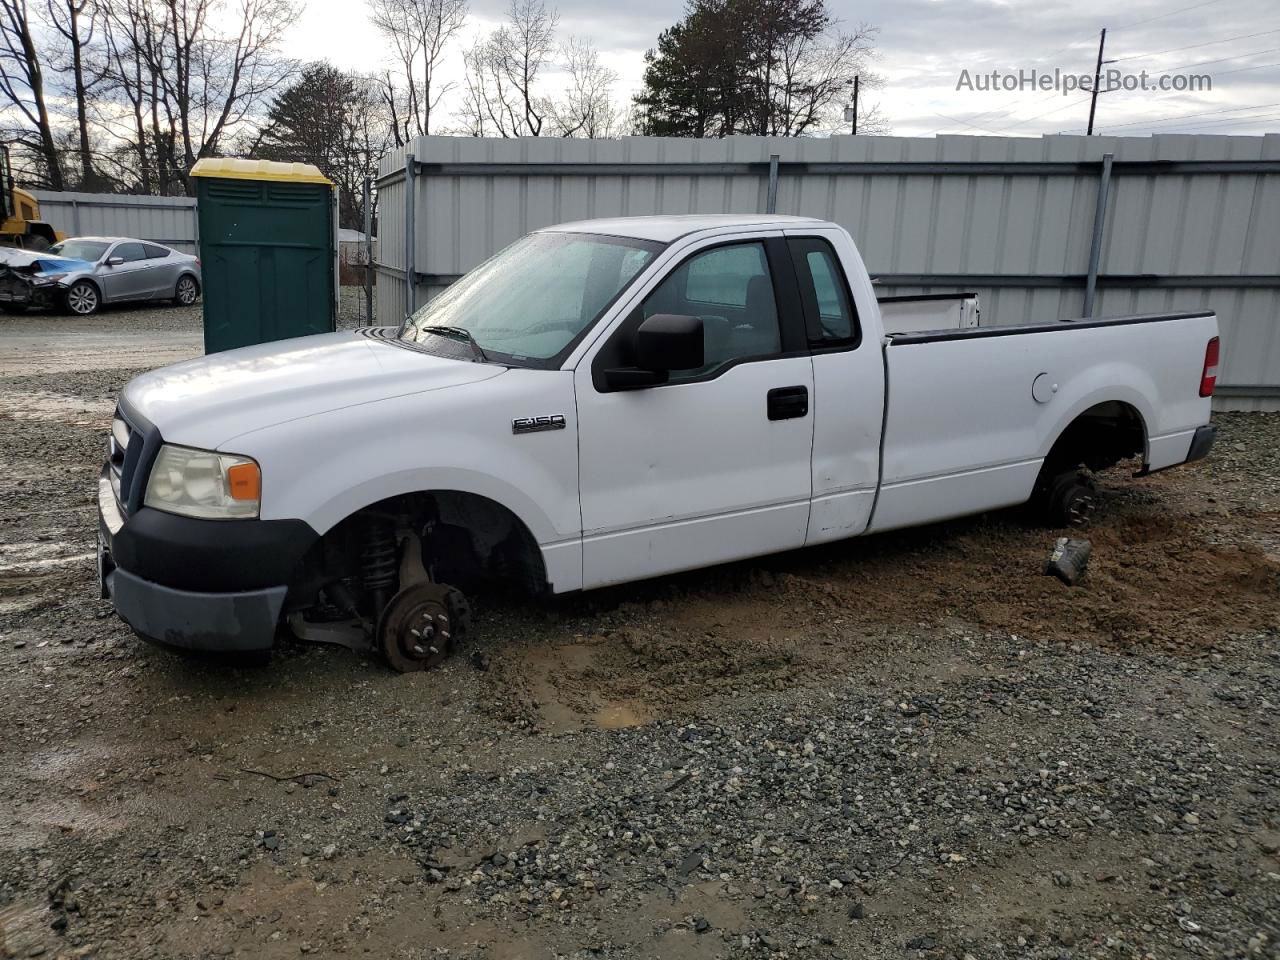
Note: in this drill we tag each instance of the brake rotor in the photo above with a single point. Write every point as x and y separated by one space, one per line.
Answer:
421 625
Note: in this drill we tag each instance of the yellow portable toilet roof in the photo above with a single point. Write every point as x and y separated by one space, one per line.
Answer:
235 168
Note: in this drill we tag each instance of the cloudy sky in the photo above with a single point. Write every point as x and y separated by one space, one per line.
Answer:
924 45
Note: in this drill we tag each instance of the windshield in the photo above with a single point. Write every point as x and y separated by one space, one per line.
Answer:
79 249
532 300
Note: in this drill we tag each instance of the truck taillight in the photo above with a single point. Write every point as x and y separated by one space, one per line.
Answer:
1209 376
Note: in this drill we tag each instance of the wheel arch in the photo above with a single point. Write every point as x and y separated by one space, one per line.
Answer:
38 228
1099 434
91 281
472 535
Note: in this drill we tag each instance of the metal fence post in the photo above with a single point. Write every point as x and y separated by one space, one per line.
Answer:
410 254
771 200
368 251
1099 224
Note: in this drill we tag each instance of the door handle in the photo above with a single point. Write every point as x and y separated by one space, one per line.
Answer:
787 403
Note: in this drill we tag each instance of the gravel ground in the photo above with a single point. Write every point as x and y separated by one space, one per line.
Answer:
913 745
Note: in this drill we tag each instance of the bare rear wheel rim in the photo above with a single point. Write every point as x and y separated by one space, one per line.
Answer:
1081 509
82 298
186 291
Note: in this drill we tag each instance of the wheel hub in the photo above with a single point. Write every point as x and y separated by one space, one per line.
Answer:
426 633
421 625
1081 509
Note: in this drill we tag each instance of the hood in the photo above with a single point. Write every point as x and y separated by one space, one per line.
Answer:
210 401
24 261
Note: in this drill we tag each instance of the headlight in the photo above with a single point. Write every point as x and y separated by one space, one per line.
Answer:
204 484
45 278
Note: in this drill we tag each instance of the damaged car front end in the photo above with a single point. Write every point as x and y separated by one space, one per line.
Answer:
30 279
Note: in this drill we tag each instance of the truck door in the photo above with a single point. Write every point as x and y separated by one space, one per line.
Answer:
848 381
714 464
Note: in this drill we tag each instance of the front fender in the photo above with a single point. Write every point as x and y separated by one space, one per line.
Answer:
326 467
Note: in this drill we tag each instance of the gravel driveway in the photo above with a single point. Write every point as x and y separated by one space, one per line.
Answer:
913 745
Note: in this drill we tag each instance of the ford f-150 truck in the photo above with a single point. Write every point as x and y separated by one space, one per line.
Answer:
598 403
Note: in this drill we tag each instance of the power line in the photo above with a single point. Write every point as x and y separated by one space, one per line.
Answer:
1161 16
1039 115
1183 116
1209 123
1260 66
997 113
1206 123
959 121
1193 46
1205 63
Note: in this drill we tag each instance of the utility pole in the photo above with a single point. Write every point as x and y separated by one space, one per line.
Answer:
851 112
1097 79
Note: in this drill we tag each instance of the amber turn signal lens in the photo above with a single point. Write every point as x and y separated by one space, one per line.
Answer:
244 481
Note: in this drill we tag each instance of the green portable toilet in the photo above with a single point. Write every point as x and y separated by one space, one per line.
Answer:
267 251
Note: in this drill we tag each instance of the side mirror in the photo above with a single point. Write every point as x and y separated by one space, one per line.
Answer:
114 261
663 342
668 341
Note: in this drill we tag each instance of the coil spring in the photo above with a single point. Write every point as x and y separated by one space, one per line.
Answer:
378 559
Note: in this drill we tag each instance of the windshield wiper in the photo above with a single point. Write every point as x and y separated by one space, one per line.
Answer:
458 333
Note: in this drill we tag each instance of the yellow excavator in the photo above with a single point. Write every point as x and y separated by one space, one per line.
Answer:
20 223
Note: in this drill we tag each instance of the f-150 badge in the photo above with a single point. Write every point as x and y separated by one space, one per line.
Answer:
537 424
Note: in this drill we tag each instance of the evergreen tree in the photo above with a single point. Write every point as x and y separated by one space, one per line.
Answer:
769 67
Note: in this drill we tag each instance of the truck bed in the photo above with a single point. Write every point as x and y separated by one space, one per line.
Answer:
970 413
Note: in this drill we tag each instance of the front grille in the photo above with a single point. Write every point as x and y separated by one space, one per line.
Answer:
117 447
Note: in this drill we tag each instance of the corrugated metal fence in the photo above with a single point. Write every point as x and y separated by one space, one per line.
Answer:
167 220
1184 221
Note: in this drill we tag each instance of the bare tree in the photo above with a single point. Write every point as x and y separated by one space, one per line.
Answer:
124 65
503 71
474 112
190 75
22 87
813 74
419 32
586 109
75 21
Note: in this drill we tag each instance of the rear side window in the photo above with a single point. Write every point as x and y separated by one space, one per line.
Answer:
824 293
155 252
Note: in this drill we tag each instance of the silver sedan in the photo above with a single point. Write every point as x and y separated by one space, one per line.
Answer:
84 273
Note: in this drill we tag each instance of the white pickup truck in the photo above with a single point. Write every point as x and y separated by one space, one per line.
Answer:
598 403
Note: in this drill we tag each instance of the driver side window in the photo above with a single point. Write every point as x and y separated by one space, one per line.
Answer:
731 290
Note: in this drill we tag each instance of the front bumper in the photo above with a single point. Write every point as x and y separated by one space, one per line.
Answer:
215 585
242 622
17 291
